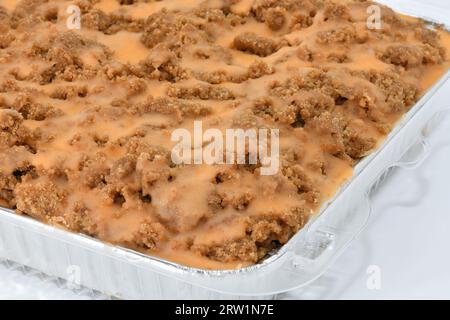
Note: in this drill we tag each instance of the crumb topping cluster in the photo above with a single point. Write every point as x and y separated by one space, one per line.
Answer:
86 115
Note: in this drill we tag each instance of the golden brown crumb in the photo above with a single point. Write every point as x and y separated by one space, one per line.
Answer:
241 250
149 235
40 199
79 220
275 18
252 43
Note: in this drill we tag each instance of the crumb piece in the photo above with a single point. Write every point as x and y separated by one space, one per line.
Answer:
40 199
202 92
258 69
275 18
241 250
149 235
343 35
79 220
255 44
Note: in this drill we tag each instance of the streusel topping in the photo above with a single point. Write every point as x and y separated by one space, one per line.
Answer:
86 114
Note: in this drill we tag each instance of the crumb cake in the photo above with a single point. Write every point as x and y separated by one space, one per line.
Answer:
86 114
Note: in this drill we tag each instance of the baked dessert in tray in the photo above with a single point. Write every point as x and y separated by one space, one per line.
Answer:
87 112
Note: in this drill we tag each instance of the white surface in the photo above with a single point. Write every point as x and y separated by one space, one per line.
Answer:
406 240
438 10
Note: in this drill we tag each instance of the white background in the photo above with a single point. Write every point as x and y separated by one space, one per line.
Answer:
407 239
